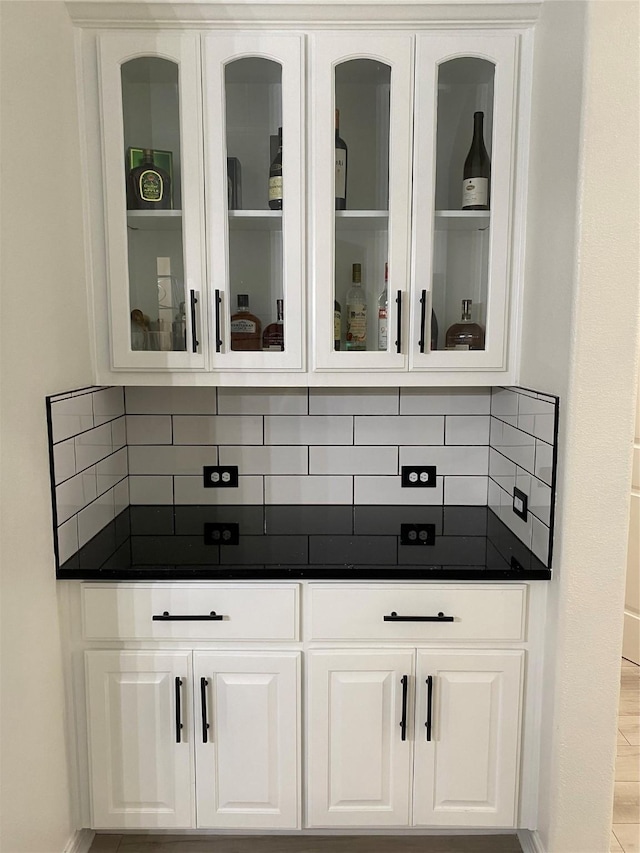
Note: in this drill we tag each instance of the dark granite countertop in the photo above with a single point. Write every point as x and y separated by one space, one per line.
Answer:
310 542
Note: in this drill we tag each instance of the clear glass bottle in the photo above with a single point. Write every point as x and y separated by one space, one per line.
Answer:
246 328
383 308
465 335
356 312
273 335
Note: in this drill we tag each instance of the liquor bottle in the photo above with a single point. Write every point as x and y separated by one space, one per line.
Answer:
337 324
275 177
273 335
383 300
341 168
356 312
466 334
477 171
246 328
149 186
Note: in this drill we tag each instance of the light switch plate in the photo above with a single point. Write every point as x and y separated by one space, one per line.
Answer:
520 504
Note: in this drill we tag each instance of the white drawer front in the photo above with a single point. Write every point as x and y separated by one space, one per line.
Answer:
248 612
358 613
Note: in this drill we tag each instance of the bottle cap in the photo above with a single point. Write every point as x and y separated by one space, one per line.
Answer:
356 272
147 154
243 300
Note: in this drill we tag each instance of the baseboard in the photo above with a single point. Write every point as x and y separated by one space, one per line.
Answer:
631 637
80 841
530 841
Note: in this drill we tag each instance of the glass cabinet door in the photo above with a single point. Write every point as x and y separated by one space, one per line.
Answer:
465 96
154 197
361 127
254 156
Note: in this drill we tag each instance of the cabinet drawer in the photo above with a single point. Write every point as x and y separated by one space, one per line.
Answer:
191 612
400 612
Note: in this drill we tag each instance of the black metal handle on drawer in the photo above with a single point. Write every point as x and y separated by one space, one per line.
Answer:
399 322
167 617
178 711
195 343
217 303
423 318
203 702
403 722
429 703
393 617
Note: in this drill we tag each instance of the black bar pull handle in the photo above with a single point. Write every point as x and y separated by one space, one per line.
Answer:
168 617
423 318
203 702
217 304
403 722
429 704
399 322
195 343
178 711
393 617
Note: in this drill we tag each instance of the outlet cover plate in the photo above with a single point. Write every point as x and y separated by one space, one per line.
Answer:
419 476
221 533
220 476
417 534
520 503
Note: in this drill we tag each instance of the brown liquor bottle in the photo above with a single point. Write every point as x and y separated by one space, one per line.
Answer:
273 336
149 186
246 328
466 334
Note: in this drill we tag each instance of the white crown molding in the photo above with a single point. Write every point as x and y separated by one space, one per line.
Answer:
294 13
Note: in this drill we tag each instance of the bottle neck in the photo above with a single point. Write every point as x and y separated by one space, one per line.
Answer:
478 119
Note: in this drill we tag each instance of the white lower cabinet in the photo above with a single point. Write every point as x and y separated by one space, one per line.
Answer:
180 739
413 737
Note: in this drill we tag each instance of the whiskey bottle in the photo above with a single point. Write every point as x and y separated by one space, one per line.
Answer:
341 168
337 324
273 336
383 300
466 334
275 177
246 328
356 312
149 186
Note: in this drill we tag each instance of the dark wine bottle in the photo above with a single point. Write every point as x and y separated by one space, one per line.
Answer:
149 186
275 177
337 324
477 171
434 331
341 168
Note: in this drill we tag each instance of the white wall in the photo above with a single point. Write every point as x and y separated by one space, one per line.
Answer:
582 275
45 349
631 635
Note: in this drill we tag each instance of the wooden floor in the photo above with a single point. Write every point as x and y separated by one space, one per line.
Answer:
625 836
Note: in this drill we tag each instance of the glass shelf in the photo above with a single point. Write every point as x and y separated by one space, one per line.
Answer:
462 220
154 220
362 220
255 220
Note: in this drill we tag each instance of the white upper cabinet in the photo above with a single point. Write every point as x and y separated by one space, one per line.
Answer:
298 216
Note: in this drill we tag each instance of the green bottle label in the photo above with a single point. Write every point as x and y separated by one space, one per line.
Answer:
150 185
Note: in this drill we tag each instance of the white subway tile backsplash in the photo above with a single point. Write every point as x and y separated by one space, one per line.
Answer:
308 490
502 470
171 459
190 490
223 429
108 404
544 462
504 405
389 490
522 529
71 416
119 433
538 495
537 418
353 401
516 445
409 429
494 497
274 459
309 429
68 539
151 490
94 517
143 400
467 429
258 401
74 494
353 460
148 429
64 460
452 401
448 460
121 496
111 470
466 491
92 446
540 540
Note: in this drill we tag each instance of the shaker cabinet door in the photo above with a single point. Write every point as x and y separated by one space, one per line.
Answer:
153 178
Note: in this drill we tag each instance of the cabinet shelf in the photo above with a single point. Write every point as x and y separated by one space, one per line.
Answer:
362 220
154 220
462 220
255 220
